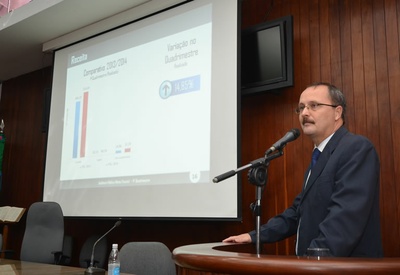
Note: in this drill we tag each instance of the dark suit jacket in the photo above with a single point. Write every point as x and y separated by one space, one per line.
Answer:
339 208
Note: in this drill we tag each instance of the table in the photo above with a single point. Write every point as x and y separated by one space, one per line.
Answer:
228 258
14 267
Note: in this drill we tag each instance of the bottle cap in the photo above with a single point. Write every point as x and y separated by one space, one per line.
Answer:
115 245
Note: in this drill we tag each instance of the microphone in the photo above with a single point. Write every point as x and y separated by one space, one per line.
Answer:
290 136
95 270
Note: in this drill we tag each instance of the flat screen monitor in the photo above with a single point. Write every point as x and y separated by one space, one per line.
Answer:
267 56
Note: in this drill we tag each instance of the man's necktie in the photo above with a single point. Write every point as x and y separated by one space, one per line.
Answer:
314 158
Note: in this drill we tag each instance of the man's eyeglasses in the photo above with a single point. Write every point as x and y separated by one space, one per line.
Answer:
312 106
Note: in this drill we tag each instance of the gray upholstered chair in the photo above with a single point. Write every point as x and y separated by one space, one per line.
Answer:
146 258
67 250
44 233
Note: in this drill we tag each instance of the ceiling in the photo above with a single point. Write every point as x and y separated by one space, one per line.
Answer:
29 34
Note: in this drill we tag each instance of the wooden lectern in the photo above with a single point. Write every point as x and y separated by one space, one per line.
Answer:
4 240
224 258
8 215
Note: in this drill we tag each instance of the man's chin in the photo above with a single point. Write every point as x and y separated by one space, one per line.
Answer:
308 129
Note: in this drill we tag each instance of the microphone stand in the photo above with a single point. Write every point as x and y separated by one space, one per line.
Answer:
96 270
257 176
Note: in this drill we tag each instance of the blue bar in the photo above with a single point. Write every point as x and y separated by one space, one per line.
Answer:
76 129
186 85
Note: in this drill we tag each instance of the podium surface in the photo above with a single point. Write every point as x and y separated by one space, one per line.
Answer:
227 258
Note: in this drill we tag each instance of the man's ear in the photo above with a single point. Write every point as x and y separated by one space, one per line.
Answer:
338 112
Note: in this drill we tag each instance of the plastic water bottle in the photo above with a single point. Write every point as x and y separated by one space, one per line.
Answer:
113 261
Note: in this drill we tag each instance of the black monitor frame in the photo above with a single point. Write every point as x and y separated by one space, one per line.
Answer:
252 81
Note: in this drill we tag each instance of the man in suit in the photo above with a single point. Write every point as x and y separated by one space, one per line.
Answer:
339 205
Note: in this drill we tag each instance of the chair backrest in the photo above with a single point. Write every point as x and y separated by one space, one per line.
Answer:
100 252
67 250
146 258
44 232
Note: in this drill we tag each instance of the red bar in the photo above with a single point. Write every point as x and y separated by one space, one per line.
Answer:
84 123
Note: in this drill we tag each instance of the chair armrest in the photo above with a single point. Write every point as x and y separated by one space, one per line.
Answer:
60 258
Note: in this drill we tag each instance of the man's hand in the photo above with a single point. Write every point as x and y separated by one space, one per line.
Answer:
242 238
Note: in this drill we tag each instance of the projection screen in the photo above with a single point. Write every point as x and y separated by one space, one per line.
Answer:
143 117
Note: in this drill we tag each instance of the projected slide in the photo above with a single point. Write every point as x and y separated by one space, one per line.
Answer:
134 118
145 115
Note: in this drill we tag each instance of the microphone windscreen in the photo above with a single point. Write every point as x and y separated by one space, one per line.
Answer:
296 132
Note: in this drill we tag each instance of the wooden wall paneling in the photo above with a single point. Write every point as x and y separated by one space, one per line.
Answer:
324 36
356 117
8 113
286 186
300 52
288 181
383 112
335 53
275 202
389 153
369 69
305 44
371 54
295 158
255 11
290 185
248 130
294 91
381 119
315 43
306 57
279 9
294 153
25 142
349 76
346 56
21 107
253 138
384 121
372 116
249 146
392 10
